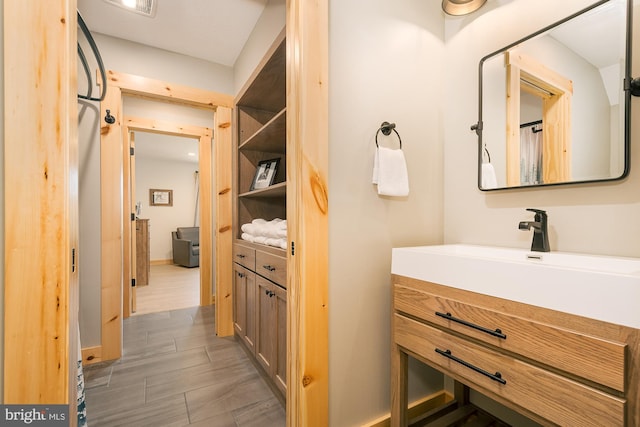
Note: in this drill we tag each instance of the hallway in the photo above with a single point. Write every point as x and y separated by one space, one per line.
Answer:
176 372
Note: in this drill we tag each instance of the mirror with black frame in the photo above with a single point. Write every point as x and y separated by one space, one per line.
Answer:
554 106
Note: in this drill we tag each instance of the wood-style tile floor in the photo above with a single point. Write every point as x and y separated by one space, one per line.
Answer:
176 372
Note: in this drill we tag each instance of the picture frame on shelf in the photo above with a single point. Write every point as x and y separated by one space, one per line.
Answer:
265 174
159 197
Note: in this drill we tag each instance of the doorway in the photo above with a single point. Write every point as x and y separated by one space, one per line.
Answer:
165 135
164 280
114 181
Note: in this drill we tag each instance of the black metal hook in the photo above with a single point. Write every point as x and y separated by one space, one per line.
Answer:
109 118
386 129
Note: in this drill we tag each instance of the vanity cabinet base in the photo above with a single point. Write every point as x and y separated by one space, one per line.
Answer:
454 332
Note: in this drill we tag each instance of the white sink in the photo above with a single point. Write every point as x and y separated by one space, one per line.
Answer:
600 287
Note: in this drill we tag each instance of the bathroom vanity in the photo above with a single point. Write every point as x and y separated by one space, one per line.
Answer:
465 311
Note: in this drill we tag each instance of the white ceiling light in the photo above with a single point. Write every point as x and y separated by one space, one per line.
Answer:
143 7
461 7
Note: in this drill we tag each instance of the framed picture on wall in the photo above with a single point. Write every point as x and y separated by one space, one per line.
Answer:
160 197
265 174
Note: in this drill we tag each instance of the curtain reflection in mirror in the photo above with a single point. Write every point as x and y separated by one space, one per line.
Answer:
531 154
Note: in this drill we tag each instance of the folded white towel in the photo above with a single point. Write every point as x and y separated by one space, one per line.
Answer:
390 172
272 233
488 176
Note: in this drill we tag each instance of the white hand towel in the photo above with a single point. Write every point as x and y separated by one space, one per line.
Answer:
390 172
488 176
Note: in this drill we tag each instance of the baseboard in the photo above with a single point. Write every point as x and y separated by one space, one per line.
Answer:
417 408
91 355
160 261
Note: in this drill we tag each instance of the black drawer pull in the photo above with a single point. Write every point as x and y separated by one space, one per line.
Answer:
269 293
241 275
496 377
268 267
496 333
241 256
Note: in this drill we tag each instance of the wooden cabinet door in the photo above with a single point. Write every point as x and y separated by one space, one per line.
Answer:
280 364
244 305
266 321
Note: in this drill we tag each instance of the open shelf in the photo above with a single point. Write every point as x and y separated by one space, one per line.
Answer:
275 190
271 137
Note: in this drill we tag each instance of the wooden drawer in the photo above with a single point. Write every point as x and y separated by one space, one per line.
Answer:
587 356
245 256
271 266
520 385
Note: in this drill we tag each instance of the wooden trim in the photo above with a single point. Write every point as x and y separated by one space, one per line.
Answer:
159 90
91 355
40 203
513 126
555 91
538 74
161 262
307 26
224 221
129 246
111 173
416 408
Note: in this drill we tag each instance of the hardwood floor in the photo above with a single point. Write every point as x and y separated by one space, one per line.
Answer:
176 372
171 287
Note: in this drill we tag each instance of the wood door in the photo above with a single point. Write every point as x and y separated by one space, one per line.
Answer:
280 364
244 305
266 332
132 202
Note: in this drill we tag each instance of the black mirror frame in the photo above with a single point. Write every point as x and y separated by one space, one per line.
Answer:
631 87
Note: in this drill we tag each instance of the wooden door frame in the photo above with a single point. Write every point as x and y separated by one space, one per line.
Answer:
40 204
307 30
112 200
203 135
556 92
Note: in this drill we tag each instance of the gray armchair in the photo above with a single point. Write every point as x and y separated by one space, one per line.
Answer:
186 246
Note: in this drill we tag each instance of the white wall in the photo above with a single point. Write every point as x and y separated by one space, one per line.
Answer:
598 218
385 64
134 58
171 175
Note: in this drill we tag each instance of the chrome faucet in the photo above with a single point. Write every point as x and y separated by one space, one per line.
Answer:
540 241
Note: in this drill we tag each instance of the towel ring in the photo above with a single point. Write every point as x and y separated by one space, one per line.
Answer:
386 129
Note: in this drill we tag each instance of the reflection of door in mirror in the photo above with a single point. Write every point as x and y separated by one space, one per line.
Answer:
529 79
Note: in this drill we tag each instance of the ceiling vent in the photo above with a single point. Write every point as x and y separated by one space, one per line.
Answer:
142 7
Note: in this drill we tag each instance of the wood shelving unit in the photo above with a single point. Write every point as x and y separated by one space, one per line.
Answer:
259 284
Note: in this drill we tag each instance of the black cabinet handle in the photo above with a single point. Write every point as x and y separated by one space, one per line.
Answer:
240 256
241 275
496 377
495 332
268 267
269 293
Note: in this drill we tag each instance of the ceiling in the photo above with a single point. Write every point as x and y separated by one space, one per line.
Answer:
214 30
